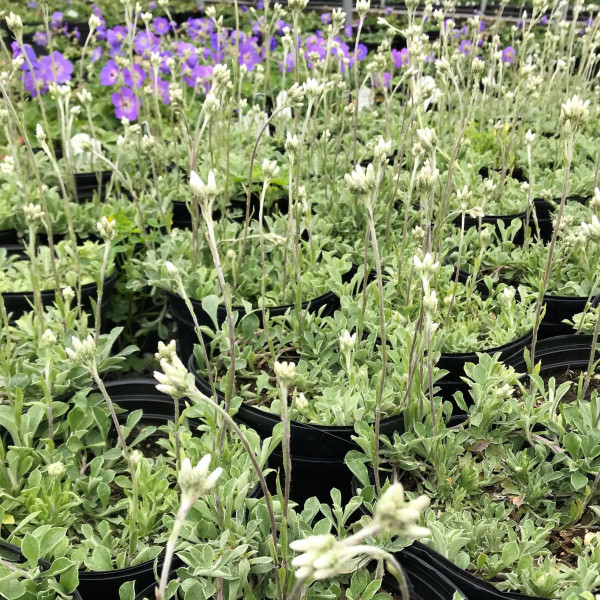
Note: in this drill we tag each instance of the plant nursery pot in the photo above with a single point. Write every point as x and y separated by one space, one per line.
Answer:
322 442
455 364
130 395
560 352
312 477
495 220
103 585
12 554
182 217
469 585
558 309
544 211
88 183
454 578
18 303
9 237
328 303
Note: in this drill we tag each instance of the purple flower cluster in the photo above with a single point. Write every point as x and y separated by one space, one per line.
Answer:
39 73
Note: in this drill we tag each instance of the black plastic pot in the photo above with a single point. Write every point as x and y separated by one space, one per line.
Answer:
561 352
455 364
9 237
105 584
328 303
437 566
12 554
470 586
86 184
317 451
130 395
544 211
18 303
322 442
558 309
182 217
496 220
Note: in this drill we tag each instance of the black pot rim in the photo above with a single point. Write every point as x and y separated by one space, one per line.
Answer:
49 294
466 355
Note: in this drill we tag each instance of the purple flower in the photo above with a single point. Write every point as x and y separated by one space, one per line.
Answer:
56 20
59 72
481 26
116 36
260 5
96 54
465 47
430 58
32 4
388 10
161 26
348 30
110 73
200 74
152 5
361 52
249 56
243 8
199 28
387 77
126 104
544 20
508 55
400 57
135 79
289 64
29 54
40 38
145 42
326 18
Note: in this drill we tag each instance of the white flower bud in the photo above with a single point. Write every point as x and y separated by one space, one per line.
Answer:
56 470
285 372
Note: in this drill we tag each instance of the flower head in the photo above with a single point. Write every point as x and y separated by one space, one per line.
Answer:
323 556
361 181
83 352
393 513
196 481
126 104
107 228
285 372
56 470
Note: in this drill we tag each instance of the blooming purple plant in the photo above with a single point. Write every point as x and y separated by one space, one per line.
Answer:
161 26
55 68
508 55
56 20
400 58
40 38
110 73
465 47
145 43
249 55
135 77
126 104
